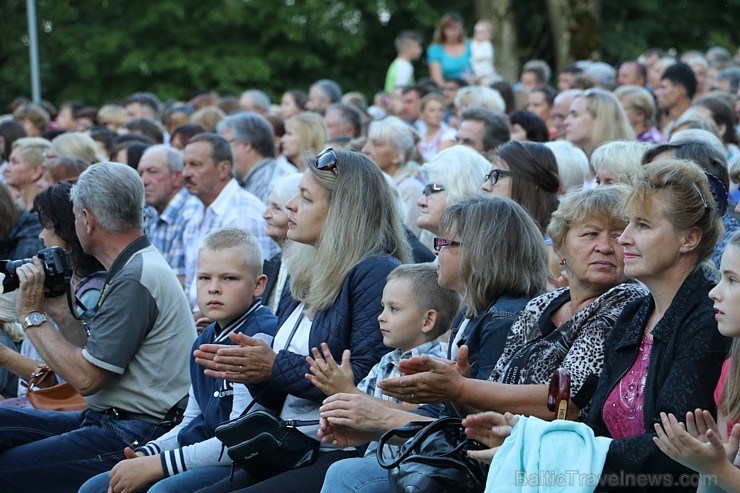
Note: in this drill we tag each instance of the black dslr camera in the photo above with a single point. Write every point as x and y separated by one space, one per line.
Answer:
57 267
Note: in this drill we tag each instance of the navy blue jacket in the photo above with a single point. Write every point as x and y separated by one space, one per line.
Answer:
215 395
485 335
350 323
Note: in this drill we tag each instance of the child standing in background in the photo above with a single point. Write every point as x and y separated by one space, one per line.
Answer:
481 49
401 71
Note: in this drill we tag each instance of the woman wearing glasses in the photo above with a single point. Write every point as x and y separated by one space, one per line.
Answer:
452 176
343 243
491 252
564 328
526 172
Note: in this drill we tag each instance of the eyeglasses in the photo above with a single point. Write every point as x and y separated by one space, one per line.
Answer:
440 243
495 174
327 160
432 188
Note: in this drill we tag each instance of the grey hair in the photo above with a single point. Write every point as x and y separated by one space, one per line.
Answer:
621 157
260 99
251 128
483 96
285 188
397 134
460 170
330 89
114 193
572 164
173 156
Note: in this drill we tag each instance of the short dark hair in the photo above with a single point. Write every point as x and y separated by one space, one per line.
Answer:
640 68
703 154
533 125
731 74
549 93
348 114
571 69
146 126
681 73
145 99
722 114
329 89
406 36
496 129
220 147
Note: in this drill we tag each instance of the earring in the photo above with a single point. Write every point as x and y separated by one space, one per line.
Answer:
562 261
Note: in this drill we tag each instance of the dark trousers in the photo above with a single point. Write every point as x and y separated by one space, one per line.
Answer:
303 480
59 451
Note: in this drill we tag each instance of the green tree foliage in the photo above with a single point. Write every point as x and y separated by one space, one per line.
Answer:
98 50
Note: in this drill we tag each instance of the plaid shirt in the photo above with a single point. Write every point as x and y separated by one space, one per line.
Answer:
166 230
234 207
387 367
259 181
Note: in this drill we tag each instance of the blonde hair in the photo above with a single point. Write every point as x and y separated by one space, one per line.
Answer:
576 207
112 114
208 117
640 100
428 294
32 149
502 251
237 239
622 158
77 145
610 121
311 131
358 225
8 321
684 198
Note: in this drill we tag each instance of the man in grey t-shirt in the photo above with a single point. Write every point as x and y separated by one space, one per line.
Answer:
131 369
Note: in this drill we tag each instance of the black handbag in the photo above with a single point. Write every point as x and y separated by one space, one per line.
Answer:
435 460
265 446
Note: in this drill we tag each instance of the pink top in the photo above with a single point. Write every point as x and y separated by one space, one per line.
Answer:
623 413
718 397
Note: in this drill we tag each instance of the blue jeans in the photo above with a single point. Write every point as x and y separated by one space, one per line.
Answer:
185 482
58 451
360 475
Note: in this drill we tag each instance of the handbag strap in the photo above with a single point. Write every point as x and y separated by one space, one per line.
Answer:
261 392
419 430
42 373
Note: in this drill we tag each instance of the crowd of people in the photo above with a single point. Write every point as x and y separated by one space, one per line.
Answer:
438 251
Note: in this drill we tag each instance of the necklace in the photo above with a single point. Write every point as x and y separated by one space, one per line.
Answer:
565 316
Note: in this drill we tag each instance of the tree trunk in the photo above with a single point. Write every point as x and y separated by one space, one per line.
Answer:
501 14
576 30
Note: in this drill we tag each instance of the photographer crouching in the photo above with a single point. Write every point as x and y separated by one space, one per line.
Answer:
129 360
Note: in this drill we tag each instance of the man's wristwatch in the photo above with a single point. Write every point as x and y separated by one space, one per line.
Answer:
33 319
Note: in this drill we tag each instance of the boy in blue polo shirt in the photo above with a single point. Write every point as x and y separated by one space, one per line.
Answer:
188 457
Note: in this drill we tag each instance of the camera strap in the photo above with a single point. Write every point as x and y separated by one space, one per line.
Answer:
118 264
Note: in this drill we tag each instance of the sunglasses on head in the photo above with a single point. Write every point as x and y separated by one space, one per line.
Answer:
440 243
326 160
